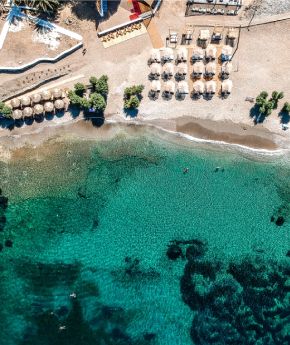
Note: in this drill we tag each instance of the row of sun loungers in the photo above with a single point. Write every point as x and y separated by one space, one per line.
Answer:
201 10
199 88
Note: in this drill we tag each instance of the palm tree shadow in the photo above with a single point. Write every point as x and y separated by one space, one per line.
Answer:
131 112
97 119
284 117
256 115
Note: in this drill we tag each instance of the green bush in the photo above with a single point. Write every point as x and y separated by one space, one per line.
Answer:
286 107
102 86
132 103
97 102
133 90
93 81
5 110
85 103
74 98
79 89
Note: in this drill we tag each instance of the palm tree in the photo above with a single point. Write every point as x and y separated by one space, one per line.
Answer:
45 6
286 107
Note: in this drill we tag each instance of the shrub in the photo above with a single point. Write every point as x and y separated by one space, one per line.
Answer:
79 89
132 103
74 98
85 103
133 90
286 107
97 102
5 110
102 86
93 81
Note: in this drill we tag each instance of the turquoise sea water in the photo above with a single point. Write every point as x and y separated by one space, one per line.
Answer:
97 218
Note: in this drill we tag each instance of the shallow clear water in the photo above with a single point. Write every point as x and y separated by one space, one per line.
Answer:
97 219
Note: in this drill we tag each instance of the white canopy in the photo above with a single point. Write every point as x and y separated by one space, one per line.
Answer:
168 68
210 86
198 68
182 69
210 68
198 87
227 86
197 53
155 69
204 35
169 86
155 55
182 87
227 50
182 54
168 54
227 67
210 51
155 86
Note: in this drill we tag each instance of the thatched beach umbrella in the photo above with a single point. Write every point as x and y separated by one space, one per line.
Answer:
27 112
56 93
198 69
210 69
15 103
197 54
155 86
182 54
182 87
169 87
155 56
59 104
210 87
168 69
48 107
25 101
182 69
210 52
227 86
17 114
46 95
198 87
155 69
36 98
38 109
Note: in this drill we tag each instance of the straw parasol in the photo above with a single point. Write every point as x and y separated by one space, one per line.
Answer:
46 95
155 55
210 52
155 86
27 112
227 68
38 109
17 114
25 101
168 54
169 87
155 69
210 87
168 69
59 104
210 69
182 69
36 98
15 103
197 54
182 54
227 86
182 87
198 87
48 107
198 69
56 93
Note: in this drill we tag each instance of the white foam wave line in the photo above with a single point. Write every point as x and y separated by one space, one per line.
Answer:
213 142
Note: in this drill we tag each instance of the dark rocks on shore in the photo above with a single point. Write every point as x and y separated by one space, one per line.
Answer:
149 336
3 202
1 247
8 243
195 251
280 221
288 254
174 252
2 222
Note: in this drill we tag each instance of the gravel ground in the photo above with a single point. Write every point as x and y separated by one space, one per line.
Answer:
268 7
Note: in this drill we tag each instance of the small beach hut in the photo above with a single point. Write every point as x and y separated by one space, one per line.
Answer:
198 69
59 104
15 103
181 69
25 101
17 114
210 69
38 109
27 112
155 56
227 53
210 52
198 87
36 98
168 55
155 86
169 87
56 93
181 55
226 69
155 69
210 87
197 54
46 95
168 69
227 86
48 107
182 88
